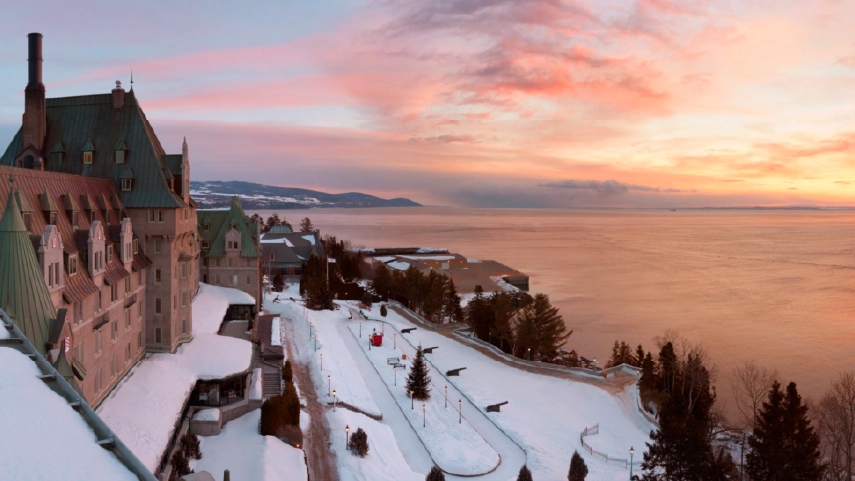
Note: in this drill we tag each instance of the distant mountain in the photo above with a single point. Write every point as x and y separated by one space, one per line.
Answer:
252 196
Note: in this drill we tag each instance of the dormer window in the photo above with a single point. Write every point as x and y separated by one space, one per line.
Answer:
74 219
206 227
27 219
206 244
121 148
72 265
53 218
109 253
136 246
56 153
126 185
88 152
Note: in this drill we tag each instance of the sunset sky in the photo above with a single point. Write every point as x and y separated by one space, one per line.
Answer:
476 103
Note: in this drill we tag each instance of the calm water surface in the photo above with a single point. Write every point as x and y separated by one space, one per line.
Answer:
778 287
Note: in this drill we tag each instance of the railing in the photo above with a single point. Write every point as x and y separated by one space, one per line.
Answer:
595 429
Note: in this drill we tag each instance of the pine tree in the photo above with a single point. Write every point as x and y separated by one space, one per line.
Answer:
480 315
542 329
638 361
648 374
278 283
359 443
306 225
784 445
382 282
578 469
525 474
451 303
435 474
418 381
180 463
287 372
291 405
383 311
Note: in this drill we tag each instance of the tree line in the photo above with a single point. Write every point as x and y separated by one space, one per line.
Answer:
432 295
274 219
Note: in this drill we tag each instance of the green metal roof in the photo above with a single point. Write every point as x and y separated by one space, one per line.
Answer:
75 122
23 292
88 147
120 145
127 173
57 148
221 222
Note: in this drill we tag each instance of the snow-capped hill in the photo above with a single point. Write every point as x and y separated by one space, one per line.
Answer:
216 194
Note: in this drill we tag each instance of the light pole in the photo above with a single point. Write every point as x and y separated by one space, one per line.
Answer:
631 453
322 361
360 329
446 397
411 399
346 436
424 416
329 384
335 400
310 329
316 343
529 354
460 410
394 340
395 370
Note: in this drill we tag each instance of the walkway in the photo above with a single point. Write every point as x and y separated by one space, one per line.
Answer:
512 456
322 466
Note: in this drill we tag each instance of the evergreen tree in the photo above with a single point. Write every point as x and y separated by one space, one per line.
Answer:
418 380
291 405
435 474
502 330
287 372
621 354
382 282
648 374
313 283
306 225
578 469
451 302
383 311
359 443
525 474
541 328
479 314
191 446
180 463
638 361
367 299
271 221
784 446
278 283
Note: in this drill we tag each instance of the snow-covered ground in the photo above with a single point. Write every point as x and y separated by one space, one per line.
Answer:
143 409
545 415
250 456
452 442
41 437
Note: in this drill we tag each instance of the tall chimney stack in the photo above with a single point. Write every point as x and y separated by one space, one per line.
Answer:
33 128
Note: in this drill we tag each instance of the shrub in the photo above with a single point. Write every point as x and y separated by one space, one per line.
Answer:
278 283
180 464
435 474
367 300
287 373
191 446
525 474
359 443
383 310
272 416
578 469
291 405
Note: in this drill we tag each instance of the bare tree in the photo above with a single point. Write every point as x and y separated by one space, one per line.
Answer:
836 415
750 385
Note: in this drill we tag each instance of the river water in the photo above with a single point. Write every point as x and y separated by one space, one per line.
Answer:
774 286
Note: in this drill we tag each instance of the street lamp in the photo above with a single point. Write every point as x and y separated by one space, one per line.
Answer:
346 436
316 343
322 361
631 454
395 370
329 383
394 340
335 400
411 399
529 354
424 416
360 329
460 410
310 329
446 397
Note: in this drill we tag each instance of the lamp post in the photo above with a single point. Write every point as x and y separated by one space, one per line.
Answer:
316 343
395 340
460 410
631 453
335 400
360 329
529 354
322 361
310 329
411 399
329 384
424 416
446 397
395 370
346 436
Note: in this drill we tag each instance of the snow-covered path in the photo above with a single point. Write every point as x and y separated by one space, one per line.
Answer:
512 456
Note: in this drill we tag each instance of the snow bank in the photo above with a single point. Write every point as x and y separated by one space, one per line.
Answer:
42 437
384 461
210 414
454 445
232 296
144 407
250 456
256 389
275 332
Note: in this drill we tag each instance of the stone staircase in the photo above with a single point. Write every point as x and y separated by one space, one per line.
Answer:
271 380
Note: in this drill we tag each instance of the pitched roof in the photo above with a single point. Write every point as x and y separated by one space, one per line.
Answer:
23 293
221 222
74 122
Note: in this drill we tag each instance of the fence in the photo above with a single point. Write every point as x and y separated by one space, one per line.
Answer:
595 429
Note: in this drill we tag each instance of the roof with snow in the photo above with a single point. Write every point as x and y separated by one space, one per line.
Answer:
215 224
294 247
49 430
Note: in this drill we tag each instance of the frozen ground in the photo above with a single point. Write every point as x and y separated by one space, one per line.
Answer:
143 409
250 456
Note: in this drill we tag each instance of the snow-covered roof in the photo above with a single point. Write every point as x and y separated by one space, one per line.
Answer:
210 414
401 266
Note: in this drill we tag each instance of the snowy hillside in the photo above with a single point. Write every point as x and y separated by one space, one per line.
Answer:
217 194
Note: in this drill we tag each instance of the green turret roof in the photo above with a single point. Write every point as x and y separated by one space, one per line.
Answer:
23 293
221 222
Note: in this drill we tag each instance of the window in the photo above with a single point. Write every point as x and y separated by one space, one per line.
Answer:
97 301
56 275
157 275
186 213
114 366
87 157
139 340
107 217
109 253
248 280
140 278
136 246
127 285
50 277
151 216
184 269
56 157
184 298
234 280
126 185
158 337
114 293
157 305
114 330
128 353
78 351
120 156
174 301
97 343
53 218
157 245
206 227
161 218
127 319
78 311
74 219
206 244
141 309
218 262
98 380
183 326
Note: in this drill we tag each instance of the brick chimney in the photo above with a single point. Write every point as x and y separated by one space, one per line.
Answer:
33 129
118 96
